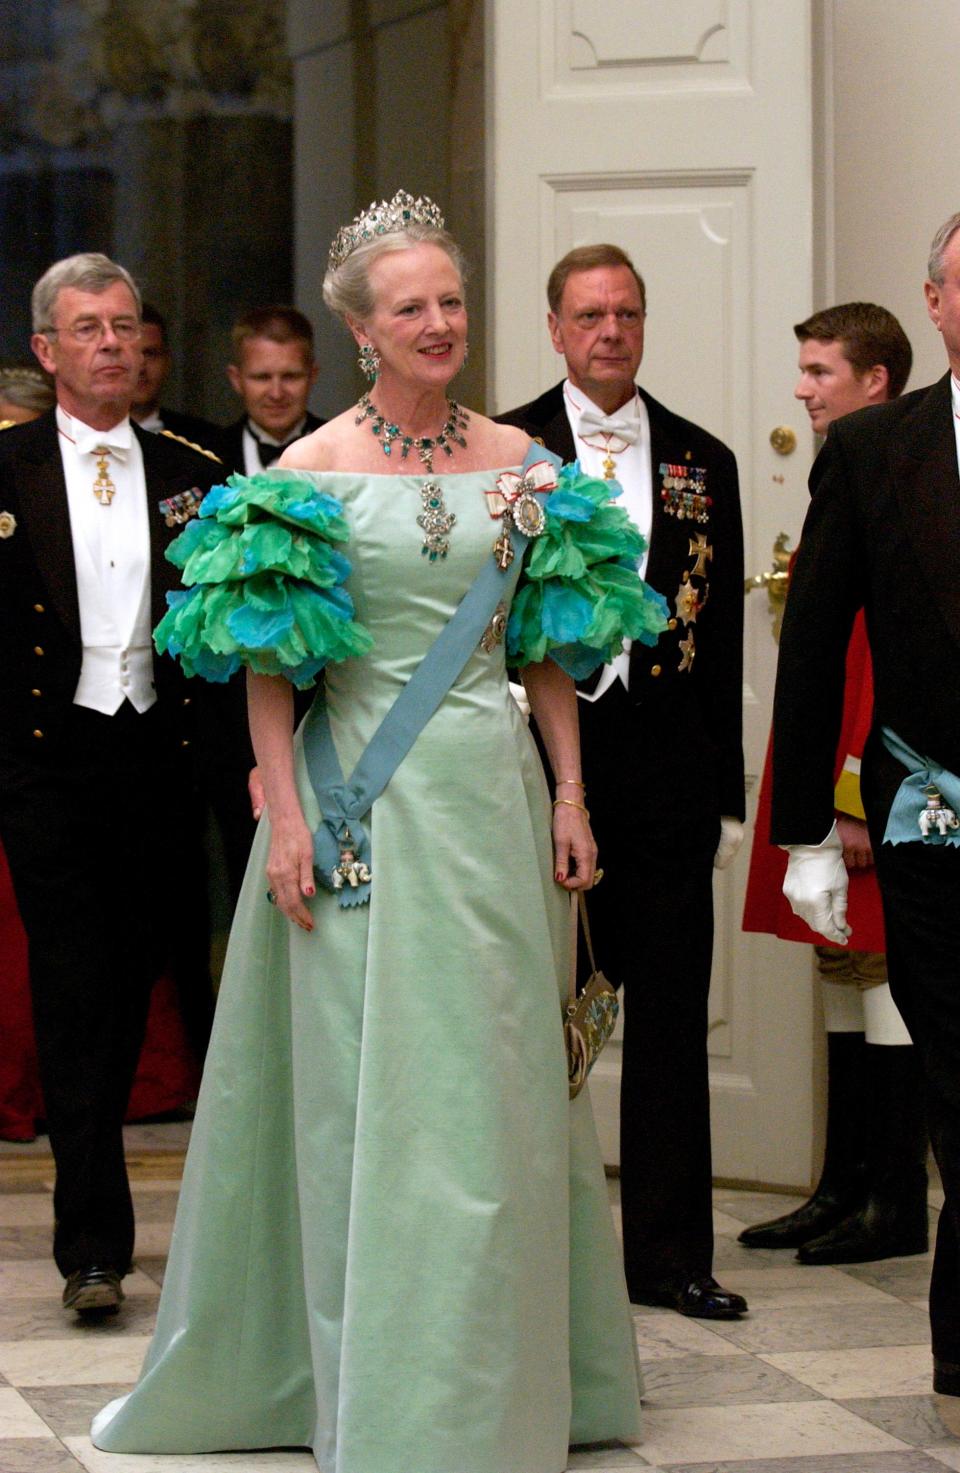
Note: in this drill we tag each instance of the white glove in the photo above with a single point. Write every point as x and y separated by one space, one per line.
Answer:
520 696
816 886
731 837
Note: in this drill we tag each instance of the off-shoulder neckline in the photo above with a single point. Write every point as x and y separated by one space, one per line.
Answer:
424 475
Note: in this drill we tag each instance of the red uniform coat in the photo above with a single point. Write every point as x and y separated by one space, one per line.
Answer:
766 908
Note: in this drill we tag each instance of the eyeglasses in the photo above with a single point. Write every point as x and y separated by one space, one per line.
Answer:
124 329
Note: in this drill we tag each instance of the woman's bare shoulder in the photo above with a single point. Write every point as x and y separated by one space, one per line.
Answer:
499 444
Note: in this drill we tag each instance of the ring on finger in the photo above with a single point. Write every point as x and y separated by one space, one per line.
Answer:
597 877
272 896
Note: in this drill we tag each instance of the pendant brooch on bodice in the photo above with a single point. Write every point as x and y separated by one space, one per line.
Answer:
436 521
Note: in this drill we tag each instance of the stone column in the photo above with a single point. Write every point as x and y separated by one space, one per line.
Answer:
387 95
161 135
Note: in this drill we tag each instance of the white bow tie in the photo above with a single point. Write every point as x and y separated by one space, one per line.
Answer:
592 422
117 440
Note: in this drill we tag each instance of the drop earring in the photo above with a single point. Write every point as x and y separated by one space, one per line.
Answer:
369 361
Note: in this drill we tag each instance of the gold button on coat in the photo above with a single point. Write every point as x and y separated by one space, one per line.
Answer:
38 733
38 649
39 609
655 669
36 692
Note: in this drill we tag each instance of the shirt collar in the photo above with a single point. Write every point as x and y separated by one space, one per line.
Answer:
580 401
265 439
117 439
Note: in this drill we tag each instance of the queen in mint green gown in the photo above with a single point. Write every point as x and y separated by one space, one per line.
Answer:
393 1242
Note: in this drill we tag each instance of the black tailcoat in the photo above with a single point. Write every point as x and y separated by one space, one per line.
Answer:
883 533
202 432
98 816
40 647
662 762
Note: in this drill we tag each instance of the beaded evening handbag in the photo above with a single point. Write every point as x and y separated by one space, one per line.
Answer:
588 1018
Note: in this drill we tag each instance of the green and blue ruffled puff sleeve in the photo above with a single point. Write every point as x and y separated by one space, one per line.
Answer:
264 583
579 594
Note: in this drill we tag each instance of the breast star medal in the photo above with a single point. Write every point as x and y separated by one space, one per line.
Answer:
495 630
688 602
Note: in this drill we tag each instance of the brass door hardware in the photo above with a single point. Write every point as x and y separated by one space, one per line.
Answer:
775 580
783 439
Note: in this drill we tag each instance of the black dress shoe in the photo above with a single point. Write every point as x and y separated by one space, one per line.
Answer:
93 1291
702 1298
890 1225
946 1378
817 1216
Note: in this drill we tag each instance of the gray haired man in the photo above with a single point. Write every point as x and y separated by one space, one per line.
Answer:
96 741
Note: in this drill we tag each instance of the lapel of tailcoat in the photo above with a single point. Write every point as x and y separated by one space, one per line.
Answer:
661 560
555 431
43 501
162 576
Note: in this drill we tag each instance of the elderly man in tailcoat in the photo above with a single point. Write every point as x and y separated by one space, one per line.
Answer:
96 742
663 763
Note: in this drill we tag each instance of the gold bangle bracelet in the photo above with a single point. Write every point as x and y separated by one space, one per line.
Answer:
570 782
569 803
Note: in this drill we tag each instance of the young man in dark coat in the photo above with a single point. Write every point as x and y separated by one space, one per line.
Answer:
272 370
883 534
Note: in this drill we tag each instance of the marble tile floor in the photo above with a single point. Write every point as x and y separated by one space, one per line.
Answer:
830 1372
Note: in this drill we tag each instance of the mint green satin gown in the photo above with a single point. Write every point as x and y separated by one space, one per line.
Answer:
393 1242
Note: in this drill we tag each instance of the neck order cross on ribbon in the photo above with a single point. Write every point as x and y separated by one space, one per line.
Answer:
103 488
594 427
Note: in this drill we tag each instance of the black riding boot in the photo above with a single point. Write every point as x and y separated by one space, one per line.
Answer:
842 1185
892 1222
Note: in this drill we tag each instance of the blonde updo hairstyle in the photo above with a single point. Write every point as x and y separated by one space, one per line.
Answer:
26 388
346 288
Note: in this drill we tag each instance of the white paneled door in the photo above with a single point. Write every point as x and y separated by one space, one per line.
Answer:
682 132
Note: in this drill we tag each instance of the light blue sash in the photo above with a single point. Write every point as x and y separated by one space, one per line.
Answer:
910 799
345 804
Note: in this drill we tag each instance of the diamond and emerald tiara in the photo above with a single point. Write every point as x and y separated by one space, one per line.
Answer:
382 219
